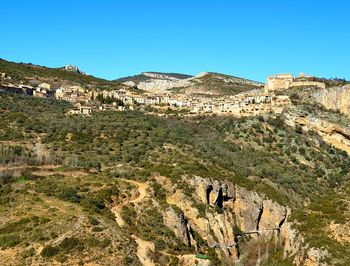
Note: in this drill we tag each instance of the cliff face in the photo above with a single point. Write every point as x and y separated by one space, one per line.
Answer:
333 134
336 99
241 225
156 82
154 85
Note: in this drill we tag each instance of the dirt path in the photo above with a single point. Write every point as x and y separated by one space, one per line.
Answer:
142 193
44 170
14 168
47 170
143 247
67 173
142 189
142 251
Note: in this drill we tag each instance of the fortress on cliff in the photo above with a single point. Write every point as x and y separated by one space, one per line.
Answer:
285 81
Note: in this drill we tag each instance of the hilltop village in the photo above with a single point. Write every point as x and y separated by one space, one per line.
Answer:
248 103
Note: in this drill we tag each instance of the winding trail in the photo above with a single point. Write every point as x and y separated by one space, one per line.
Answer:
142 189
143 247
142 193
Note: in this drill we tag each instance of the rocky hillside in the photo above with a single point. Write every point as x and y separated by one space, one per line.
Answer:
31 74
127 188
204 83
215 84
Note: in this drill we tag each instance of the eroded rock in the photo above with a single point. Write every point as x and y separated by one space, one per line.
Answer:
227 208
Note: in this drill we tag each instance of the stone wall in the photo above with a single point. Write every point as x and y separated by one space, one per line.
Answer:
307 83
285 82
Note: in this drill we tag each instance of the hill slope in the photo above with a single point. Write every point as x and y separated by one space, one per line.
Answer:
29 73
131 188
220 187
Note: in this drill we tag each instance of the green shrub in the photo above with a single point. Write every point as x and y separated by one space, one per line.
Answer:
129 214
93 221
97 229
94 242
68 244
15 226
49 251
159 192
9 240
70 194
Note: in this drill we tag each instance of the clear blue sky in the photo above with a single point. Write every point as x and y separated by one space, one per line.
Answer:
250 38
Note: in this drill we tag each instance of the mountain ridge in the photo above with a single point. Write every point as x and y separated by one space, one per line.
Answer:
145 81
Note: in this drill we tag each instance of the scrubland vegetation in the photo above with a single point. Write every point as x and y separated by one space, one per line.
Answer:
260 153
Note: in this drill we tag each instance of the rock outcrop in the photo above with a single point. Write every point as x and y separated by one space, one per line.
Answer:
238 223
72 68
179 225
155 85
333 134
336 99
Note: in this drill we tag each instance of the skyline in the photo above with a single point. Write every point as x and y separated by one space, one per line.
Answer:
112 40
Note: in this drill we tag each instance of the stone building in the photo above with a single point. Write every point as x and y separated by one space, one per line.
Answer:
278 82
286 81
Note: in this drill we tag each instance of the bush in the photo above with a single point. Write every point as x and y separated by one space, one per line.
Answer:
160 244
159 192
10 240
93 221
49 251
70 194
94 242
129 214
97 229
68 244
15 226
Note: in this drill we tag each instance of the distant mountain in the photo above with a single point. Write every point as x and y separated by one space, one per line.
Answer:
155 75
203 83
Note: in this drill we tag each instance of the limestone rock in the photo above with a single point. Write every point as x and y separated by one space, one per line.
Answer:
72 68
336 99
334 134
179 225
314 256
156 85
259 220
247 207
